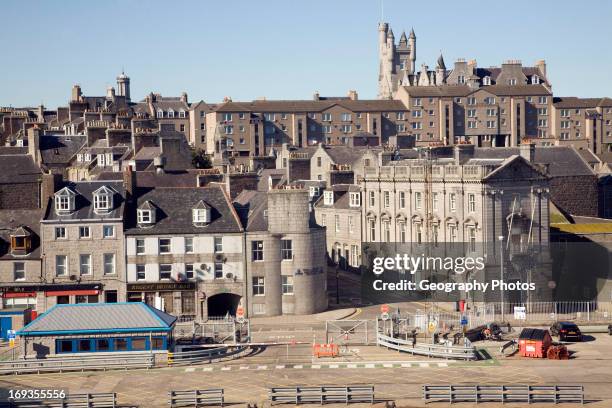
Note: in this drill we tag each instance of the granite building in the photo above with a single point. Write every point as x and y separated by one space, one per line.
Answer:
83 244
285 264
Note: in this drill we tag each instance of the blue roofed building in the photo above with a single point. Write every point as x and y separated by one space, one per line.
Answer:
97 328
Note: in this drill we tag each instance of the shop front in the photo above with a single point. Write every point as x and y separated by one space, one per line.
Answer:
176 298
40 298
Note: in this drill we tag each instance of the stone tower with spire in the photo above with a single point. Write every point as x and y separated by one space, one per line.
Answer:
396 60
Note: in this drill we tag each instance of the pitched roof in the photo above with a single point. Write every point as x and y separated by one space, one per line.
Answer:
84 202
251 207
60 149
13 220
99 318
345 154
260 106
574 102
18 168
559 160
174 207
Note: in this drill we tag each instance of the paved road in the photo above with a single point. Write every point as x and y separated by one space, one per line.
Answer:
396 376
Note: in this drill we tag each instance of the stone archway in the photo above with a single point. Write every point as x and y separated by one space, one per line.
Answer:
222 304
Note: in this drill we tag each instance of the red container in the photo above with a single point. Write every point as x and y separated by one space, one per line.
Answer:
534 343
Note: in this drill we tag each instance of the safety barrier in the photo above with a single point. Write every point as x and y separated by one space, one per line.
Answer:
203 356
117 361
196 398
95 400
504 393
325 350
426 349
322 394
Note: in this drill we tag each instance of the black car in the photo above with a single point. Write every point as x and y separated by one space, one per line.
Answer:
566 331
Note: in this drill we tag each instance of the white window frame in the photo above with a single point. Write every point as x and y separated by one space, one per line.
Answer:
287 285
109 261
85 268
144 216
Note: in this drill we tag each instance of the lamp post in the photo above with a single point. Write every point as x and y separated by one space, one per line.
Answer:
501 273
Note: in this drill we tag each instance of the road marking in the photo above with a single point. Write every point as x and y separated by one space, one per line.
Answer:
369 366
226 368
315 366
280 366
244 367
262 367
423 364
207 369
298 366
406 365
351 366
190 370
442 365
388 365
333 366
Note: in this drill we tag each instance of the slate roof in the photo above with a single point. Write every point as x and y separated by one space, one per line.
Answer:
345 154
10 222
251 207
341 197
84 202
559 160
279 176
464 90
99 318
174 207
586 103
60 149
18 168
370 105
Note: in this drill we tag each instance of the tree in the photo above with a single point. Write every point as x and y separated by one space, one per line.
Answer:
201 160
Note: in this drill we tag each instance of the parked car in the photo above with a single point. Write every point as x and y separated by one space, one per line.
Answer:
566 331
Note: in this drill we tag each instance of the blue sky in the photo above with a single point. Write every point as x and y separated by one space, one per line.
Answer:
284 49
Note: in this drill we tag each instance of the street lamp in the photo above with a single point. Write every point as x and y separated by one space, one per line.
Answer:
501 273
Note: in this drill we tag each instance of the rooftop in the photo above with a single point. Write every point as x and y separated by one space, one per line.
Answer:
95 318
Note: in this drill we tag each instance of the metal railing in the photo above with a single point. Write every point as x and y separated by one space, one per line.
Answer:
427 349
535 312
322 394
504 393
204 356
94 400
89 363
196 398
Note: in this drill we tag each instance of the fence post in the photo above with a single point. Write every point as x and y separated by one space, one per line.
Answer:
588 311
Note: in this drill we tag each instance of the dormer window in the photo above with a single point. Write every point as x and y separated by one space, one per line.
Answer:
535 80
314 191
328 198
201 213
145 214
181 113
160 113
103 199
64 201
512 81
355 199
486 80
170 113
21 241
